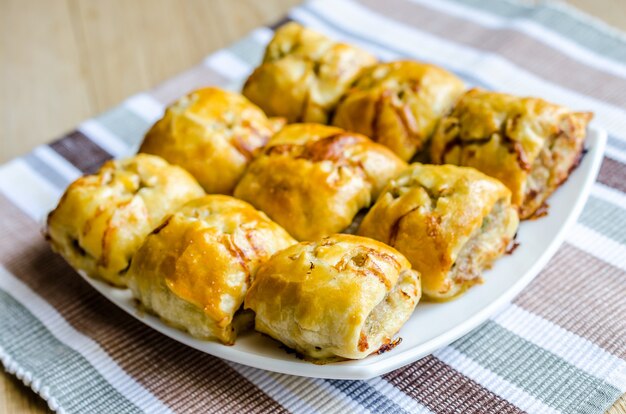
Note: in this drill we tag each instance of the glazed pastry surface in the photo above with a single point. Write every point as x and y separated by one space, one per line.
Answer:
195 268
527 143
213 134
399 104
304 74
313 179
450 222
102 219
344 296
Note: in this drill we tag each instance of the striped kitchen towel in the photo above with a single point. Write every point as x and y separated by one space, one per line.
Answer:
558 348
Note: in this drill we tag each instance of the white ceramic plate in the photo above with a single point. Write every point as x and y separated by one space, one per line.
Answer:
432 325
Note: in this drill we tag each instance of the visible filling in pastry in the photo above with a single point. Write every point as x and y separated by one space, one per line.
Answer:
483 246
544 144
376 327
551 168
343 296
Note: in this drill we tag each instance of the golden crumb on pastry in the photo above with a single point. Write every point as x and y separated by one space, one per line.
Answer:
304 74
195 268
102 219
213 134
399 104
313 179
527 143
450 222
343 296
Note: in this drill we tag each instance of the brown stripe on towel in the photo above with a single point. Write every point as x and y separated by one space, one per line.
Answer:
577 292
281 22
80 151
182 377
444 390
519 48
613 174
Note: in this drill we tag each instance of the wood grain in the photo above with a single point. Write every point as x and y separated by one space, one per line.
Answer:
67 60
612 12
43 88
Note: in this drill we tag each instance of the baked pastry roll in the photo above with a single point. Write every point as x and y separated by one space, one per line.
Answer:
344 296
527 143
213 134
195 268
399 104
313 179
304 74
450 222
102 219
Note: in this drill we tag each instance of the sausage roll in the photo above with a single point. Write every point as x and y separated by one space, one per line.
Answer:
195 268
313 179
343 296
527 143
304 74
103 218
450 222
213 134
399 104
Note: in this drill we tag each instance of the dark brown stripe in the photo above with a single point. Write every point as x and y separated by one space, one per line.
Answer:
197 77
522 50
185 379
444 390
613 174
281 22
583 295
80 151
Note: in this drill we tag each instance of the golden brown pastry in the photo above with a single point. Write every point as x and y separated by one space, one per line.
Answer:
343 296
450 222
195 268
213 134
304 74
399 104
313 179
527 143
102 219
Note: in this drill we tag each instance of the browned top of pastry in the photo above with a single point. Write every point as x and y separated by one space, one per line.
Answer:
213 134
343 295
313 179
103 218
206 254
503 136
429 212
304 74
399 104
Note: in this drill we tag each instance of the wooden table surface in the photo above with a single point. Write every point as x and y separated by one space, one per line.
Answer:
67 60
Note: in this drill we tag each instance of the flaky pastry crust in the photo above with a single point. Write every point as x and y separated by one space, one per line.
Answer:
399 104
213 134
527 143
313 179
343 296
304 74
450 222
195 268
102 219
